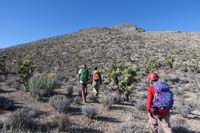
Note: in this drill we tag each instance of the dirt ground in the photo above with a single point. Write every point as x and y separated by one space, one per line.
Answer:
106 121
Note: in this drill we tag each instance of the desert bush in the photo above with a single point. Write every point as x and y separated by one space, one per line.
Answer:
191 64
151 66
178 122
89 111
41 85
169 60
4 68
6 103
25 71
107 101
130 126
118 99
182 107
23 119
69 90
60 103
77 100
2 78
185 110
63 123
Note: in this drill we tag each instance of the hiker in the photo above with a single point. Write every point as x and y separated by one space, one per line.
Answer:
158 110
96 81
84 77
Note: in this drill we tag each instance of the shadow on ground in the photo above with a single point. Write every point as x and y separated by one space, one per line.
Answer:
107 119
182 130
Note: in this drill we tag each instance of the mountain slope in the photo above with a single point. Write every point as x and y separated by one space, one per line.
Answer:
100 46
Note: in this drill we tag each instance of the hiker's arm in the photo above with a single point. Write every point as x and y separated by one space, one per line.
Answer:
79 73
149 99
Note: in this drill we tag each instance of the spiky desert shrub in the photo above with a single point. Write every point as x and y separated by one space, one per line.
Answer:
41 85
192 64
63 123
60 103
23 119
25 71
89 111
169 60
6 103
151 65
122 76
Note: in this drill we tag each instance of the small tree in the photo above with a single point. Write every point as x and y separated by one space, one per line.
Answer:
123 77
25 70
4 69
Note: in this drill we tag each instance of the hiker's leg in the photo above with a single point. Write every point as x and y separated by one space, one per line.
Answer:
165 124
97 88
85 86
153 122
94 83
83 92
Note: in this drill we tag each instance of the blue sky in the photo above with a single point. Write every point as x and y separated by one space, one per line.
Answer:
29 20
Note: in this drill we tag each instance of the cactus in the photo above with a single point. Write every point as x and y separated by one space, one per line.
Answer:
25 70
169 60
125 76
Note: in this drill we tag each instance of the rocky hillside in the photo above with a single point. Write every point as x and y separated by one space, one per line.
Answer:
100 46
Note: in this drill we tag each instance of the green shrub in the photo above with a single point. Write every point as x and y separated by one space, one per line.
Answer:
4 69
41 85
151 66
25 71
123 77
